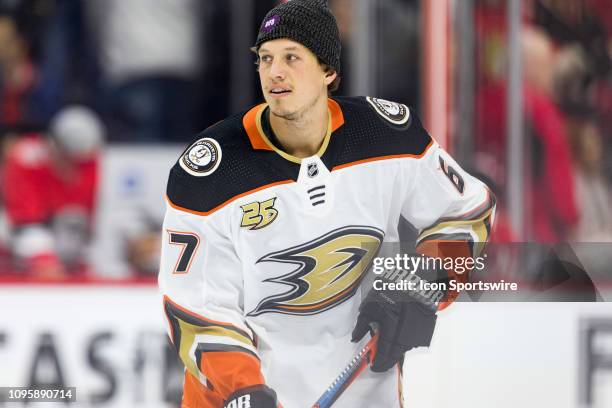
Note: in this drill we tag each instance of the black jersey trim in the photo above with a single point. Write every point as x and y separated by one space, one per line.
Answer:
358 138
230 200
203 348
388 157
279 183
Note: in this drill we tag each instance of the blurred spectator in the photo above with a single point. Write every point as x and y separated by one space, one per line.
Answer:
585 28
580 22
550 208
150 59
553 206
49 186
142 245
18 75
576 91
593 193
45 44
66 59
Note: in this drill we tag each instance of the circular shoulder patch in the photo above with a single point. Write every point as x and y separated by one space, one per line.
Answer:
201 158
394 112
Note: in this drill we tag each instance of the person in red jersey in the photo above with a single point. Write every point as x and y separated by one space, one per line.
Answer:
49 189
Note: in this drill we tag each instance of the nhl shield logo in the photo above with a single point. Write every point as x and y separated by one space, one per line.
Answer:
393 112
201 158
313 170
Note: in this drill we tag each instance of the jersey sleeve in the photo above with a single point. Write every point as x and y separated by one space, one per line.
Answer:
201 282
452 210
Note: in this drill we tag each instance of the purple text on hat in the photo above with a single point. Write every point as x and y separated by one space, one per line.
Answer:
270 23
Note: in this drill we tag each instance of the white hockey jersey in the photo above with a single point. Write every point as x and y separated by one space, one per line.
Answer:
263 253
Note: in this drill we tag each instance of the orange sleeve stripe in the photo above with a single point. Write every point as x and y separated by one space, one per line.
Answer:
230 371
197 395
212 395
447 249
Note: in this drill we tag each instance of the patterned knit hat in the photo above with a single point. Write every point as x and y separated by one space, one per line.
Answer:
309 22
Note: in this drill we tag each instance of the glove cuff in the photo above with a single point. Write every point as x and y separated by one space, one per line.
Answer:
258 396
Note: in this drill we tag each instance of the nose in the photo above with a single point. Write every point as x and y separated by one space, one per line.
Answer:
277 70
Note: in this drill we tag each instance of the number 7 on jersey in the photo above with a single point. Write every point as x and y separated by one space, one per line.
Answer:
189 243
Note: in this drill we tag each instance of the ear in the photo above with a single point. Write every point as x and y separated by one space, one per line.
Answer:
330 76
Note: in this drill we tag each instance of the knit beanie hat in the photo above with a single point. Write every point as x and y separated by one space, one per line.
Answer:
309 22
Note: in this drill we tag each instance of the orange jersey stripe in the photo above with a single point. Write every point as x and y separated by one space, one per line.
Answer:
226 372
393 156
234 198
249 121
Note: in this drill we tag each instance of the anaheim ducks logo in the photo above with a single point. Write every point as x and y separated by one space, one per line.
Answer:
329 271
396 113
201 158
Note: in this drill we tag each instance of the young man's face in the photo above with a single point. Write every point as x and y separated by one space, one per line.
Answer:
292 80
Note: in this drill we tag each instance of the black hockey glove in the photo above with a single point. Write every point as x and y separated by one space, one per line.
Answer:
258 396
403 319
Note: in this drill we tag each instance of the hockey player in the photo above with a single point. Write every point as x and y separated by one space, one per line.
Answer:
273 216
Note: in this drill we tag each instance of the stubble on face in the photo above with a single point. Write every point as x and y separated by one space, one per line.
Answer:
300 72
295 115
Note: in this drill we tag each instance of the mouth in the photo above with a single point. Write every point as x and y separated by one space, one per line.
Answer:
279 92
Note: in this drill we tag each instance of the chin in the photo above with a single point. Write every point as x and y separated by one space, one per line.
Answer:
284 113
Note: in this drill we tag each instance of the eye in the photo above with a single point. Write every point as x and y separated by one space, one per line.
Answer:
265 58
292 57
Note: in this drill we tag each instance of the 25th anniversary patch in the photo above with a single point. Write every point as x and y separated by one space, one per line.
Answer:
201 158
396 113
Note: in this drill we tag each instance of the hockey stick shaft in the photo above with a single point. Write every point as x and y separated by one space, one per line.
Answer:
357 365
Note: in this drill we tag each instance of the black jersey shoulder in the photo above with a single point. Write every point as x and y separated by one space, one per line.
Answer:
371 132
240 169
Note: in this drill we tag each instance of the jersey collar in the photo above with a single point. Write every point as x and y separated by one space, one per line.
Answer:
252 124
